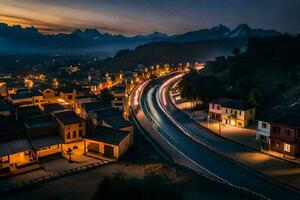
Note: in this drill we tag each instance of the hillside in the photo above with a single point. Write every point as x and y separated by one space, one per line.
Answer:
169 52
267 74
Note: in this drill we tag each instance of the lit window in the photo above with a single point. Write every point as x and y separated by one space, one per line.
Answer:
264 125
287 147
74 134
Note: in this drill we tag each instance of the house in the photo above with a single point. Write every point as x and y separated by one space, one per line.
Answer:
118 97
49 94
215 108
237 113
105 114
68 94
43 135
264 127
27 98
112 117
15 149
107 142
285 134
88 108
71 127
84 99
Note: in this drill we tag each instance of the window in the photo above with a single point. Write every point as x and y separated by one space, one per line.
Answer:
240 112
263 138
231 111
80 125
74 134
251 112
80 133
287 132
287 147
68 135
219 107
235 112
226 110
264 125
213 106
70 97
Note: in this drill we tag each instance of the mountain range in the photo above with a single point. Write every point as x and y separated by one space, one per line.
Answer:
15 39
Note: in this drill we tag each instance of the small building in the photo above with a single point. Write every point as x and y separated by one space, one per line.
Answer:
84 99
215 108
27 98
285 134
238 113
68 94
87 109
43 135
118 97
105 114
48 94
71 127
107 142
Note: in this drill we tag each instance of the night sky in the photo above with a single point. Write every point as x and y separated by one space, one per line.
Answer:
144 16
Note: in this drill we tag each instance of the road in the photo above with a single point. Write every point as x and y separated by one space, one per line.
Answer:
150 105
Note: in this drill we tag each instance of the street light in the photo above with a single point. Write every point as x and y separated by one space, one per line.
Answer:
69 152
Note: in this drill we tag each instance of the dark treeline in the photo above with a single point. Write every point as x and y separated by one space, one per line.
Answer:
267 73
172 53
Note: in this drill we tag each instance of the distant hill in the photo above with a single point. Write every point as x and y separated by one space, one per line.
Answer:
15 39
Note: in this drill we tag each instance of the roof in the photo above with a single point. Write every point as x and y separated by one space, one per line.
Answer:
39 122
107 135
220 101
28 111
46 142
272 115
118 123
49 108
237 104
108 113
25 95
14 146
68 117
94 106
292 120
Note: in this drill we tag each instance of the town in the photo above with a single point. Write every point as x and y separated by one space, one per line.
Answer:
180 100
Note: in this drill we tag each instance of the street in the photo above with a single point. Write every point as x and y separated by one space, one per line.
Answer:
171 127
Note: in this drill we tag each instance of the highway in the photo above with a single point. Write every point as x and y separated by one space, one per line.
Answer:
150 106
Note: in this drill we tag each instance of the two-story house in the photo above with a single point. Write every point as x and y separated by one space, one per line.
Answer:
215 108
118 98
264 120
238 113
285 134
71 127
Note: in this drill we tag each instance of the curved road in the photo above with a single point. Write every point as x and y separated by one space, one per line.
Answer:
149 106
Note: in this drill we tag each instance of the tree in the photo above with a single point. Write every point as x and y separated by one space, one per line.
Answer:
253 97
